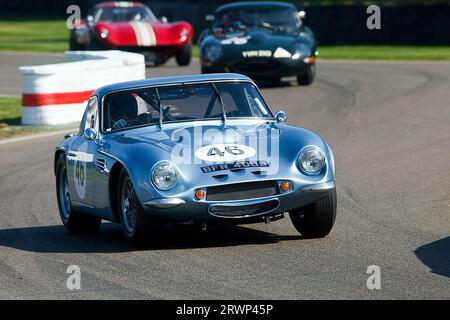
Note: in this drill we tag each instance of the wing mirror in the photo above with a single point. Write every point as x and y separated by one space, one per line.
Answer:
90 133
281 116
302 15
209 18
164 19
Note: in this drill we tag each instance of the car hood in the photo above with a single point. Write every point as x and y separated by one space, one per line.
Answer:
257 43
144 33
188 146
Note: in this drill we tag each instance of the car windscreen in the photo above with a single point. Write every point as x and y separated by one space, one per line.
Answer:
140 107
277 19
124 14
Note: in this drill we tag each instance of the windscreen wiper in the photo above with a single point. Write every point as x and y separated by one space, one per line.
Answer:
222 105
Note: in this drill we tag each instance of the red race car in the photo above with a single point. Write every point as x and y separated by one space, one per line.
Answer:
132 26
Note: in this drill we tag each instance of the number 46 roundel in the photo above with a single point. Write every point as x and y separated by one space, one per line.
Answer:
224 152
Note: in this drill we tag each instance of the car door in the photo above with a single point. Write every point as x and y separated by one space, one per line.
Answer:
80 159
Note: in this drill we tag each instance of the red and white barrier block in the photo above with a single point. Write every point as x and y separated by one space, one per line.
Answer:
57 93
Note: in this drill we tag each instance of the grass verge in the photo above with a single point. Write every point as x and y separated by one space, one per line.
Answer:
40 35
33 35
10 113
384 53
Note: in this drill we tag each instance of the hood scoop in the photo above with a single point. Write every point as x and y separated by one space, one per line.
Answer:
260 172
220 176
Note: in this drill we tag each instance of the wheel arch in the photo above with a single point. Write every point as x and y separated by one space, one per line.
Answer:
58 153
114 188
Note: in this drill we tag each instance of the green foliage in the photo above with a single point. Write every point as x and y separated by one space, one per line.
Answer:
33 35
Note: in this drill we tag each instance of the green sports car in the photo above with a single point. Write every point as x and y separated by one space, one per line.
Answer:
263 40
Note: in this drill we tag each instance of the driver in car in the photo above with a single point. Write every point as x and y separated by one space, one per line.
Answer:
123 109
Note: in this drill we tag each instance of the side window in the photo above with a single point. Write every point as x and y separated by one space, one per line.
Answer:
91 120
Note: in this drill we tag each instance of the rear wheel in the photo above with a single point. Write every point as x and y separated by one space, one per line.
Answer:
317 219
94 44
308 76
184 55
136 224
73 220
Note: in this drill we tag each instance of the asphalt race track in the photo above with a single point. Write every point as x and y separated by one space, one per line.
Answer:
389 126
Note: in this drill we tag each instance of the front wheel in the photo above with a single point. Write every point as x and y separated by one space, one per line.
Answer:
136 224
306 78
184 55
317 219
73 220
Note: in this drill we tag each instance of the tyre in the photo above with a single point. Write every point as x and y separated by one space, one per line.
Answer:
94 44
184 55
137 226
73 220
307 77
317 219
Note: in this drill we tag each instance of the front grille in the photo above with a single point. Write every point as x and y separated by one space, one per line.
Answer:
241 191
257 66
246 210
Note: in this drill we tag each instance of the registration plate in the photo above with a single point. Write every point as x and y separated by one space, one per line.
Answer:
235 165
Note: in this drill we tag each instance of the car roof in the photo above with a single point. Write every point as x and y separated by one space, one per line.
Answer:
119 4
255 5
187 79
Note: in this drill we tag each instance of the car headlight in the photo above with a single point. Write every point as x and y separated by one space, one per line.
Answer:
164 175
184 34
212 52
301 50
104 33
311 160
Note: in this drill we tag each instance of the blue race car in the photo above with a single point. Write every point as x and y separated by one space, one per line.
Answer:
265 40
191 149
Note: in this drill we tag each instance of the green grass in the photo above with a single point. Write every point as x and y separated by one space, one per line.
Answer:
384 52
10 110
10 120
378 52
17 34
10 113
33 35
195 51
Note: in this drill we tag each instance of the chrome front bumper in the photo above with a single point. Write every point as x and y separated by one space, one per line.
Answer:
188 209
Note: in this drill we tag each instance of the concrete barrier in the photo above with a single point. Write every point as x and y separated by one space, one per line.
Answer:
57 93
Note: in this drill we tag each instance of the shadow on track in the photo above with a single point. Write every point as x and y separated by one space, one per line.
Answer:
436 256
110 239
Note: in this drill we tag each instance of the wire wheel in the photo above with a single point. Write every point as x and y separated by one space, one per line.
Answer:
64 194
129 205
